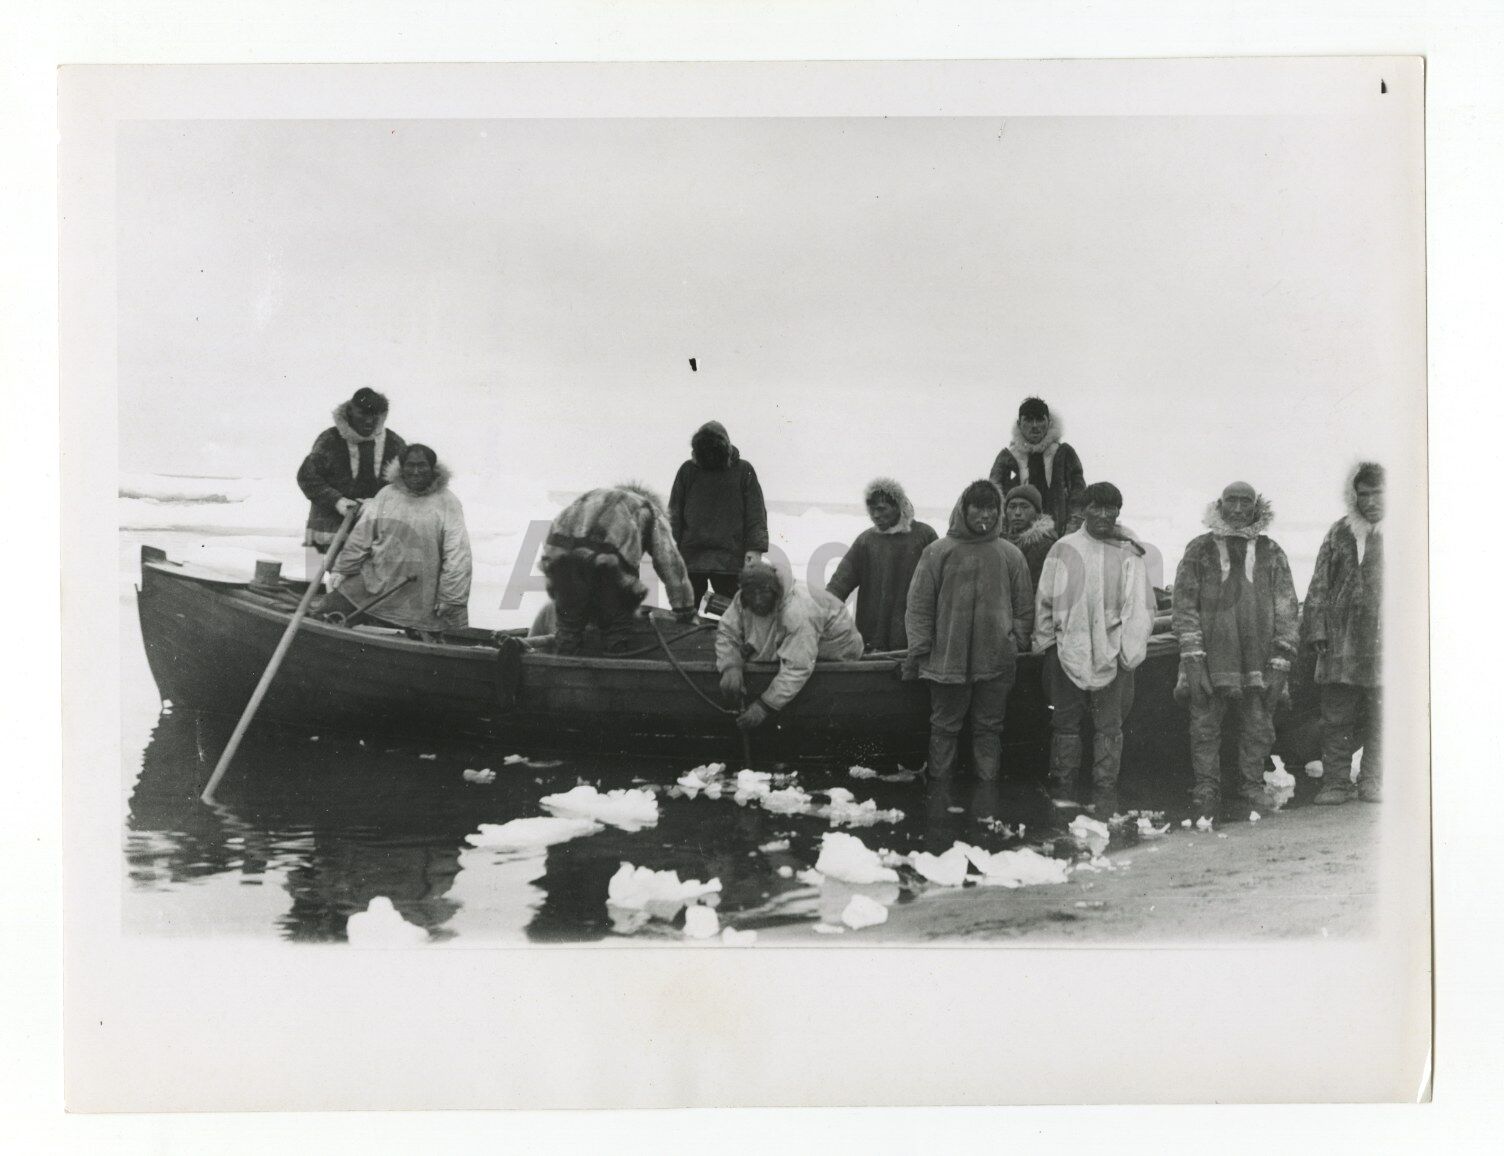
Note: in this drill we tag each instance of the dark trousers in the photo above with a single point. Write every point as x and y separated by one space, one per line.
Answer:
949 702
1108 706
1351 718
721 583
1255 740
585 594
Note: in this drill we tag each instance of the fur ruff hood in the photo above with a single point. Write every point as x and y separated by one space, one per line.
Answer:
342 424
1051 443
1263 516
905 521
1356 522
393 474
1042 529
733 455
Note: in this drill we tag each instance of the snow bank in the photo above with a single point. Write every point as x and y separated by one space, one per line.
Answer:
629 809
379 925
531 834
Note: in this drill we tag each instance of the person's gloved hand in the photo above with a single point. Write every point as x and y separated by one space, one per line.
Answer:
345 505
684 615
754 716
1279 676
732 685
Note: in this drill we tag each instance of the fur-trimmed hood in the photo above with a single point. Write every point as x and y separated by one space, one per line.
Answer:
1042 529
733 455
1263 516
1356 522
393 474
342 424
1051 442
891 486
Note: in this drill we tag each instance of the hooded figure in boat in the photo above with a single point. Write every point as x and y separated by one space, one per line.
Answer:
1037 457
880 564
347 464
592 558
1343 622
409 548
775 619
1238 624
719 519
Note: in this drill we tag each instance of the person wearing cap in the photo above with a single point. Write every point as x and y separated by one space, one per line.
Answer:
969 615
775 619
592 558
1028 527
1342 621
409 548
1238 624
1093 614
347 464
880 564
720 520
1037 457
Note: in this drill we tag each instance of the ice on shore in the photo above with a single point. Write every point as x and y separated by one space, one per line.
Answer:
731 937
948 869
628 808
635 892
1204 823
701 922
847 858
1093 834
1279 784
379 925
1023 867
1147 829
863 912
531 834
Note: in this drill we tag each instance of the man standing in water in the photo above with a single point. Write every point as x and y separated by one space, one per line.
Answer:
1342 617
1037 457
1238 622
970 613
1093 616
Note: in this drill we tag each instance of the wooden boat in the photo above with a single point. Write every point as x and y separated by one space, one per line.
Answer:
208 638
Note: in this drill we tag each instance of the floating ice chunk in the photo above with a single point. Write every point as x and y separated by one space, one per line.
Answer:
811 876
1253 816
785 872
1357 765
313 738
701 922
862 773
956 810
1185 823
379 925
840 795
1023 867
535 764
1314 769
752 785
863 912
1204 823
430 757
1147 829
947 869
789 801
828 929
844 813
658 893
1091 905
486 775
847 858
530 834
628 809
1091 833
775 845
731 937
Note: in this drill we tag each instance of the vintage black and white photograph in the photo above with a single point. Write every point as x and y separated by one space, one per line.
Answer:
772 531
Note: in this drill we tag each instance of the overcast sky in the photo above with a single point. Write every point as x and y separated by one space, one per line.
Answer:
1201 298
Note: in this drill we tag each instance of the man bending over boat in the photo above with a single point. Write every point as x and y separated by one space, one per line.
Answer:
774 619
408 557
591 563
347 464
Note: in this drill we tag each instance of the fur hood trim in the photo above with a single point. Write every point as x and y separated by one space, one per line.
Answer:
1263 517
393 474
1051 443
1356 522
647 495
905 521
733 455
342 424
1042 530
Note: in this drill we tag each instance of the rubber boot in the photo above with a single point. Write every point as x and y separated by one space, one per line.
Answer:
986 754
943 749
1065 760
1107 757
1370 780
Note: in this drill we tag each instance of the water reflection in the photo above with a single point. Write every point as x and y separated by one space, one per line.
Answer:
337 822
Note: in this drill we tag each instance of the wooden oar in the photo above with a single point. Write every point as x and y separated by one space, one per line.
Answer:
278 655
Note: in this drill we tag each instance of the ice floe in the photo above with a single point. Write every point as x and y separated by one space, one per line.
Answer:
947 869
1253 816
863 912
636 894
1147 829
731 937
1023 867
1204 823
847 858
752 785
629 809
701 922
484 776
861 773
531 834
788 801
379 925
844 811
706 778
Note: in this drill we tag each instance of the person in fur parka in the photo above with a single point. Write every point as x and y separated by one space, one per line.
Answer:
1237 620
1342 621
592 558
1037 457
719 518
1029 528
347 464
880 565
411 538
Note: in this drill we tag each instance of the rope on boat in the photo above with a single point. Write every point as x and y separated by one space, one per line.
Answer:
684 674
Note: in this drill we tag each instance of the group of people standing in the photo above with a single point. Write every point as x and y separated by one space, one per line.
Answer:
1033 560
